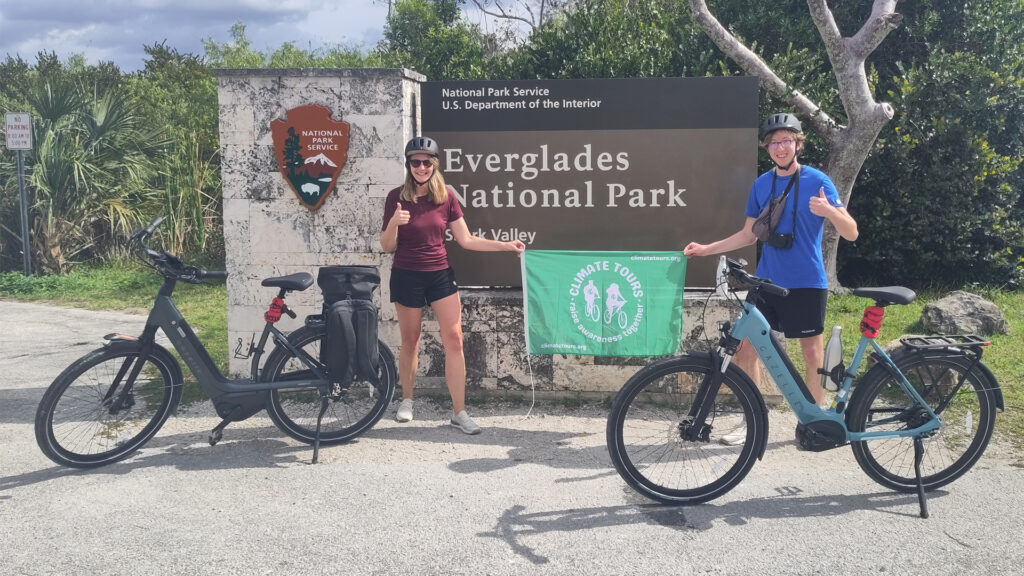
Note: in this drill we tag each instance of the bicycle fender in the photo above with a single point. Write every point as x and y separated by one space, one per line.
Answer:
965 362
997 390
739 374
121 343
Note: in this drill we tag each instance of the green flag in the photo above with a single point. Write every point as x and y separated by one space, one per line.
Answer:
603 303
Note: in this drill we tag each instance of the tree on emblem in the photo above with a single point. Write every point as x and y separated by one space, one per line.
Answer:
292 157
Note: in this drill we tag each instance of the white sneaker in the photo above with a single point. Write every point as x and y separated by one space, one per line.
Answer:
404 413
736 437
463 422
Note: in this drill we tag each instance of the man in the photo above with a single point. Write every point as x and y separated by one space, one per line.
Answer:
792 256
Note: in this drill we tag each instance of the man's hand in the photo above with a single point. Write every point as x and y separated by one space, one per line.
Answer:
820 206
694 249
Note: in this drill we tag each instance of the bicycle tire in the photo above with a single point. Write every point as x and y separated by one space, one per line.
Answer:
643 432
74 426
878 403
354 410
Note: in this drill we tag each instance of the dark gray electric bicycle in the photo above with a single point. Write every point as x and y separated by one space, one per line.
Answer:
111 401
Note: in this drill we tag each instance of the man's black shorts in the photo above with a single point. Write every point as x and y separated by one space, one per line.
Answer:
801 314
415 289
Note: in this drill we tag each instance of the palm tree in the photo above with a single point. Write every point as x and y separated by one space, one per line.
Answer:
93 160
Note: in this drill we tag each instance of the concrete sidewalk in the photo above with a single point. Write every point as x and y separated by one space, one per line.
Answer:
530 495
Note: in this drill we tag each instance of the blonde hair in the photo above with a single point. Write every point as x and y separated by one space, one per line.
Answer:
436 189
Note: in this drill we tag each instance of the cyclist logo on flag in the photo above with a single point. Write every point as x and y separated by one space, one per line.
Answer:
612 301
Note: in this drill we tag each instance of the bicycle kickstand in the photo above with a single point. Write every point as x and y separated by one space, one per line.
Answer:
918 456
316 441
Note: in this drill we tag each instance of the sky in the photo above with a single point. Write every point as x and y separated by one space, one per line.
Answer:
117 30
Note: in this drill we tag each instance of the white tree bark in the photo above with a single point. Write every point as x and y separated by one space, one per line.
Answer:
848 144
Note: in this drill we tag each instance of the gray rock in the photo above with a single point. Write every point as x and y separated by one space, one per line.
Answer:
962 312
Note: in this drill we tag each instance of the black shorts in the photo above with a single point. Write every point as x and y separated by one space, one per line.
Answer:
415 289
799 315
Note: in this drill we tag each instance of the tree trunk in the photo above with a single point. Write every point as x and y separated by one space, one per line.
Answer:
849 145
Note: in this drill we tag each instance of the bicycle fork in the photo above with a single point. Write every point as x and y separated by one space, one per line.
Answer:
695 427
120 397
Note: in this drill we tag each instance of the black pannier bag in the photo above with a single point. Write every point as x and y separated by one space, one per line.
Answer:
350 348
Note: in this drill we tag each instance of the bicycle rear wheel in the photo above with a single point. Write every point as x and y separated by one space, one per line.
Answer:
644 432
85 420
960 398
351 411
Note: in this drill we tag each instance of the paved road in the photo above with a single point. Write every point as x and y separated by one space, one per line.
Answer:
532 495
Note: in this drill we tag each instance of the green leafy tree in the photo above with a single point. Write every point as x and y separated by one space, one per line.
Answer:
942 194
432 38
239 53
177 92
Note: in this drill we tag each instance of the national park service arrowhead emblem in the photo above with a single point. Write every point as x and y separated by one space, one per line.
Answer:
311 151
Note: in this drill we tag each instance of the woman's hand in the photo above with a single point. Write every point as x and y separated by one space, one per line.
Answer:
515 246
400 217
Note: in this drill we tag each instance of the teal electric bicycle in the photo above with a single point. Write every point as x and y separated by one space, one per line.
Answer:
917 419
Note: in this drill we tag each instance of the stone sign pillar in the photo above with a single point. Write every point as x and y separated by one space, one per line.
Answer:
267 230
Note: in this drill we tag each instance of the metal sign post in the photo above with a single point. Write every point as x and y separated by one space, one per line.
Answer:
18 131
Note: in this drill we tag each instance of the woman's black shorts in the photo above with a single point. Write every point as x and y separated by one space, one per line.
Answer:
799 315
415 289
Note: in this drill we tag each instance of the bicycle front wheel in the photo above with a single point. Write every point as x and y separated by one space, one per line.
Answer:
351 411
959 395
91 415
646 424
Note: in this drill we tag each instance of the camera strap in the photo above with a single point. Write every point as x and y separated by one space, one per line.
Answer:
796 192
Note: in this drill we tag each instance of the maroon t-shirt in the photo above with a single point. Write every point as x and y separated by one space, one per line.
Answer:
421 241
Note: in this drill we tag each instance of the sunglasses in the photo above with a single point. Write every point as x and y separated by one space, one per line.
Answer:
418 163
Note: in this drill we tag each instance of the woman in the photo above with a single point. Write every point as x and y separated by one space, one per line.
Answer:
415 217
791 258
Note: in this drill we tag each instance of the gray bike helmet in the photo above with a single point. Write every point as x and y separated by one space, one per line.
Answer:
781 121
422 145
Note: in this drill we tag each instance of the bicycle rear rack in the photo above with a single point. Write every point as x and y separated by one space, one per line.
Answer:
944 341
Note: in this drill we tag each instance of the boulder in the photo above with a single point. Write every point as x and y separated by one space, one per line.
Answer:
964 313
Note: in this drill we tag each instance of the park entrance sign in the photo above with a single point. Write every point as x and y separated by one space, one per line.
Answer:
609 164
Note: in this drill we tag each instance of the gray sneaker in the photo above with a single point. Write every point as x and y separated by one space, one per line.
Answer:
463 422
404 413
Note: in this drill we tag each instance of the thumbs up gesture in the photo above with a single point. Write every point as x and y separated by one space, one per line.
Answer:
400 216
820 206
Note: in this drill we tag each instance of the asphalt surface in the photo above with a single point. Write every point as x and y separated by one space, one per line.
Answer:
530 495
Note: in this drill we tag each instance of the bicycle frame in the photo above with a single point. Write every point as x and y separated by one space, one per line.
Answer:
166 316
752 326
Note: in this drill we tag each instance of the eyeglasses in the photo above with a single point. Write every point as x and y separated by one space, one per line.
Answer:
783 143
418 163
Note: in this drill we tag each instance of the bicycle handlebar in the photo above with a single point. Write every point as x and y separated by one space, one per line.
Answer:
169 264
750 281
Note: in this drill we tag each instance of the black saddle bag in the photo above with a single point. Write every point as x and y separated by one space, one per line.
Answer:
350 348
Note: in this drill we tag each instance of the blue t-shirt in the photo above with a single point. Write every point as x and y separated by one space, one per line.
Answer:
800 266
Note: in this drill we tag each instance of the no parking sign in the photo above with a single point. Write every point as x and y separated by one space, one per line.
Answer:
18 130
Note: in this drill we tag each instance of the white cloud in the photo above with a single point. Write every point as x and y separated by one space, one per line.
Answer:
117 30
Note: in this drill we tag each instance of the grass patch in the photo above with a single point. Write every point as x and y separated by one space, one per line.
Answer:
1002 357
128 286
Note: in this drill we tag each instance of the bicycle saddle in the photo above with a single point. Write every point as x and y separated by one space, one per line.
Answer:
299 281
887 295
